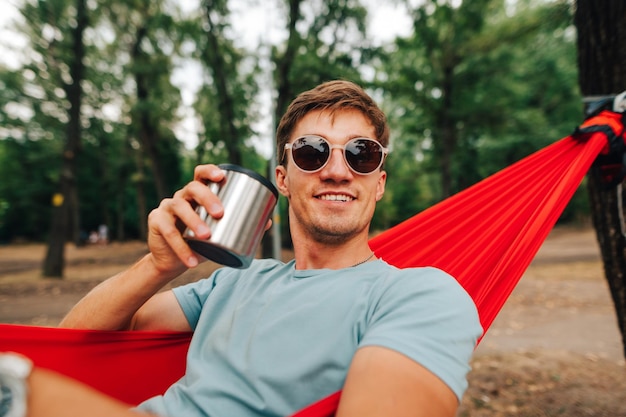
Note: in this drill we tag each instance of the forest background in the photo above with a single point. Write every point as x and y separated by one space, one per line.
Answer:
90 117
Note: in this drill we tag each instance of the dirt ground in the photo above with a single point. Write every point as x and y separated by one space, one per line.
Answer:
554 349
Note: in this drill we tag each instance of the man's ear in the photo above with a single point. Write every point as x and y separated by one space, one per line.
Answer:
282 183
380 187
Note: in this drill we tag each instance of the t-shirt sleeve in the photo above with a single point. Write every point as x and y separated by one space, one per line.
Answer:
423 313
192 297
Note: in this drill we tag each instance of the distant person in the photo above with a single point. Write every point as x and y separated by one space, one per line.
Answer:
94 237
103 234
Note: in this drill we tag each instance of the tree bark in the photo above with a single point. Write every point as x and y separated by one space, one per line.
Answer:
65 213
448 132
285 63
602 71
220 77
285 91
142 205
147 133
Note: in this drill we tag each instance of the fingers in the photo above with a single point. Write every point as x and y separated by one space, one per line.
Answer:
184 202
177 213
166 241
208 172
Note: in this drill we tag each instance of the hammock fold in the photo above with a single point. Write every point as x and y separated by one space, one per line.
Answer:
130 366
485 236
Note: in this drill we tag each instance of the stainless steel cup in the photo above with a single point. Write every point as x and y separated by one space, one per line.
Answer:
248 199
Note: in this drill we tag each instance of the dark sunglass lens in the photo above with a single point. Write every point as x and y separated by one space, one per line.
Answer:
364 155
310 154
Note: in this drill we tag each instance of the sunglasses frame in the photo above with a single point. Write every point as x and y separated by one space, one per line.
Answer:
385 152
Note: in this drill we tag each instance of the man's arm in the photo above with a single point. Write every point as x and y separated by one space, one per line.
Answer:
54 395
127 300
382 382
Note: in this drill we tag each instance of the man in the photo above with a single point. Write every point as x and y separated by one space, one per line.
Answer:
275 337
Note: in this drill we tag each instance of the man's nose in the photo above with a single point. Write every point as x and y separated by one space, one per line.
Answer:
337 165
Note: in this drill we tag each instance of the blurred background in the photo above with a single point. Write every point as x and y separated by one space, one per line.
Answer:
107 105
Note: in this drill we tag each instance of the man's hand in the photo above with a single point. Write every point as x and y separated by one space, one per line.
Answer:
170 253
129 300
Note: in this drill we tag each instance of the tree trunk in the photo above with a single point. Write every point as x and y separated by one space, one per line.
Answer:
65 213
220 77
122 178
285 95
54 263
448 133
602 71
147 133
142 206
284 64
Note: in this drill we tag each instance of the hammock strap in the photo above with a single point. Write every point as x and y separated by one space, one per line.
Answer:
611 162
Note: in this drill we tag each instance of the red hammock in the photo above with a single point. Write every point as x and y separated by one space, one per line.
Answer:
485 236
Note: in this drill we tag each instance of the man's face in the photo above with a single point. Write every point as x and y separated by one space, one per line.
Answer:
333 204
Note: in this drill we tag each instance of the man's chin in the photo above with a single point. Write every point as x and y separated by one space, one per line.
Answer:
334 235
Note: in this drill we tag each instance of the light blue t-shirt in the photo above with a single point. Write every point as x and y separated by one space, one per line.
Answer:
270 340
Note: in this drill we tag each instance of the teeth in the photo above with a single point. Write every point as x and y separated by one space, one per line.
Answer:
335 197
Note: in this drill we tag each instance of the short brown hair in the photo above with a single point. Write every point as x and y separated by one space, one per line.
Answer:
332 96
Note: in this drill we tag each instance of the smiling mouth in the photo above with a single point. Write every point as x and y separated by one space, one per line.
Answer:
336 197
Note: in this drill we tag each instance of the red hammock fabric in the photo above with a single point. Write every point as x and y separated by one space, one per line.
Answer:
129 366
485 236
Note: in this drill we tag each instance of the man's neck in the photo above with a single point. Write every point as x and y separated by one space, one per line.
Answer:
316 255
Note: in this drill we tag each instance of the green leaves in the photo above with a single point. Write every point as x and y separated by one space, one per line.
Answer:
475 87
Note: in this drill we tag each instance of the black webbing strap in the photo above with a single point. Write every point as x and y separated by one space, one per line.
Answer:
612 165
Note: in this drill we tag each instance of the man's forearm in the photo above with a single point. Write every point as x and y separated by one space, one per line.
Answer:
113 303
54 395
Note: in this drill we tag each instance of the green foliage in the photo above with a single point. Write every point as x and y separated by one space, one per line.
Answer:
474 88
226 102
25 193
328 40
331 43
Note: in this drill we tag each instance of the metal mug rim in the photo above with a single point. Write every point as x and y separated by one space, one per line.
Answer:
253 174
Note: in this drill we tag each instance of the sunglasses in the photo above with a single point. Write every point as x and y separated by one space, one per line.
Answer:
311 153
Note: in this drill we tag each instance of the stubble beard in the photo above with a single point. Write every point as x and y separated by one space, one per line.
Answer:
333 232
